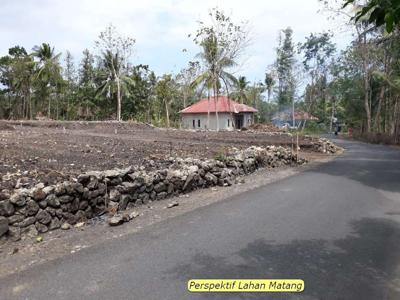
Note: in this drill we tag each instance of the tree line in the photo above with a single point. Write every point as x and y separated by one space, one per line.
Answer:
359 85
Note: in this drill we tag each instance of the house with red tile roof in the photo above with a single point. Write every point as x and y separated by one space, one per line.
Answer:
231 115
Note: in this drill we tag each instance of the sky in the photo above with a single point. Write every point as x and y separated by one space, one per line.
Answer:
160 27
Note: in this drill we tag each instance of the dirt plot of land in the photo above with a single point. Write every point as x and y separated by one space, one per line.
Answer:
51 151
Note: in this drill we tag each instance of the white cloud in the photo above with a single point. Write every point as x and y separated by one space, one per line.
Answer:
159 26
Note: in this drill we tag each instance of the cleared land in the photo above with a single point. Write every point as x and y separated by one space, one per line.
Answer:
48 152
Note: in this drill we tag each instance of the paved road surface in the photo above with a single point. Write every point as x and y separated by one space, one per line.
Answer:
336 226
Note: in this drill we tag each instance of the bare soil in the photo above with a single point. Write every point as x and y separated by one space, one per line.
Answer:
50 151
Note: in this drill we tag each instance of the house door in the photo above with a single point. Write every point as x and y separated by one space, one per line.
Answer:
238 121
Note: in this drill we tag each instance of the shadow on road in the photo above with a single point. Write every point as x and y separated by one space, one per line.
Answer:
361 266
362 162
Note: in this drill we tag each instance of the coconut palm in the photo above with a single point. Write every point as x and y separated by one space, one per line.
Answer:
115 81
214 76
240 89
48 70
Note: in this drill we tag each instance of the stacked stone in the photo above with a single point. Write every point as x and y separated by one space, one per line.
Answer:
40 209
325 146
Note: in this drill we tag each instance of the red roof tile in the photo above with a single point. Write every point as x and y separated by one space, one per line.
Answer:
223 104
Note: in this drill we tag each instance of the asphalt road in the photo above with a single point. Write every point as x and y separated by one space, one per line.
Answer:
336 226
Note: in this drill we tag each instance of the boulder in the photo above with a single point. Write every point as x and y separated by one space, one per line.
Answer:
43 217
31 208
123 202
55 224
134 214
19 197
48 190
116 220
211 179
66 226
188 181
17 218
41 228
114 195
27 222
59 189
65 199
162 195
6 208
53 201
160 187
38 194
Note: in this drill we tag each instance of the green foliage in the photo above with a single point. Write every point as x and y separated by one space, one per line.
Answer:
378 12
220 156
284 65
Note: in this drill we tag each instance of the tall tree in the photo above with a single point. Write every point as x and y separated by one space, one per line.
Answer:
166 92
114 81
86 86
269 83
116 51
185 79
48 71
70 79
222 44
284 66
241 89
317 51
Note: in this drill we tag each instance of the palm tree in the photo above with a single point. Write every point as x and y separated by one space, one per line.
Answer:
114 79
48 72
214 76
241 88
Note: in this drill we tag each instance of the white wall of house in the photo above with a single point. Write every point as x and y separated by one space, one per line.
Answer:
248 119
200 121
225 121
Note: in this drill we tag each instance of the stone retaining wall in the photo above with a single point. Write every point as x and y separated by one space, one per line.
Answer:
44 208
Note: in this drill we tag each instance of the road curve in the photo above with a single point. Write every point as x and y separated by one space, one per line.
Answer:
336 226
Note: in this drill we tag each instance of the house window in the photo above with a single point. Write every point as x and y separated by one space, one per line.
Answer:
198 123
194 123
229 123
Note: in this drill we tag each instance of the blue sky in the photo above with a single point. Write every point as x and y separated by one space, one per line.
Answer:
160 27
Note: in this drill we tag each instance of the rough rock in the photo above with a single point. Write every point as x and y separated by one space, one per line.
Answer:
32 208
41 228
43 217
123 202
115 220
53 201
55 224
38 194
114 195
19 198
3 226
27 222
160 187
15 219
65 226
173 204
134 214
6 208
